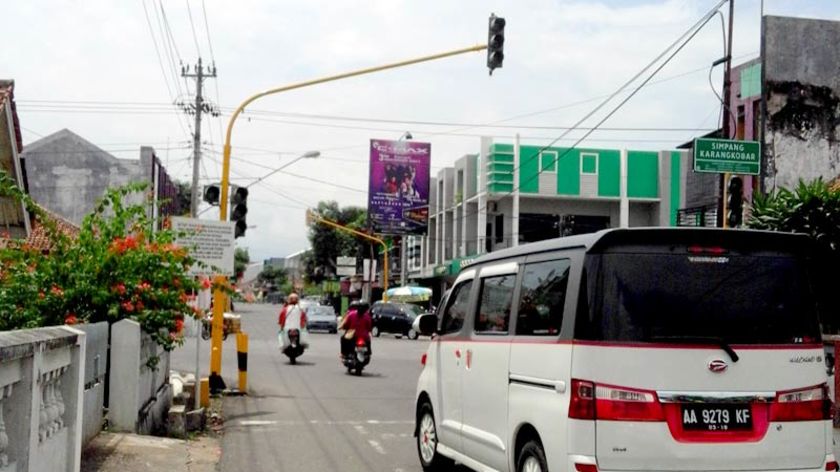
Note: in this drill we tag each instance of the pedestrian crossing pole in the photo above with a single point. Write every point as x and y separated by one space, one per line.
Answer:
242 360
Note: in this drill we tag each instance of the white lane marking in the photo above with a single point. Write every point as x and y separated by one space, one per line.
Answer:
377 447
360 429
257 423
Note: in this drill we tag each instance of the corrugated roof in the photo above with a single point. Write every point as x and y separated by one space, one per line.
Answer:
39 238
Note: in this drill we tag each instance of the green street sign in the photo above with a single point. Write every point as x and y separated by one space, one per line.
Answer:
723 155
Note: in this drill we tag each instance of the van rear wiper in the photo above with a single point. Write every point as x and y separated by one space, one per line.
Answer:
720 342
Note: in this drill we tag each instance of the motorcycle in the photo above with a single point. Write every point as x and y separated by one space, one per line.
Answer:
294 348
356 360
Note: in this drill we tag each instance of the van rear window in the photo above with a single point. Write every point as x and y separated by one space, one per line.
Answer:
740 299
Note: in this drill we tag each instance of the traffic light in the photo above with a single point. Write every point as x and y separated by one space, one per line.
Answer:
239 209
735 202
495 42
211 194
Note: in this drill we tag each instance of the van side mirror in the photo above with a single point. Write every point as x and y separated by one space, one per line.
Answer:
425 324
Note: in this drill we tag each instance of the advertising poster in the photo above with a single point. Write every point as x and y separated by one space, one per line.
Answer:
398 195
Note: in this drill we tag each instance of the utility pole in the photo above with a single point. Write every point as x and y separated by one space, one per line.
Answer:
199 108
727 113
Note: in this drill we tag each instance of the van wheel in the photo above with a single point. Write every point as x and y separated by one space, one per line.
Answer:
412 334
427 441
532 458
375 331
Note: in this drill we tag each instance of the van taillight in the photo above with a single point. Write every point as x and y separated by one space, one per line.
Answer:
610 403
582 403
807 404
586 467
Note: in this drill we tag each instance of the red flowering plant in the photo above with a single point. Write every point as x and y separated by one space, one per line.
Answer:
118 267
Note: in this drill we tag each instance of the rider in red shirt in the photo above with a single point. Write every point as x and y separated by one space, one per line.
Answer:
358 321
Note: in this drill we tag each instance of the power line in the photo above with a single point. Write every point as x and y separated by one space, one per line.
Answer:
207 29
192 25
157 50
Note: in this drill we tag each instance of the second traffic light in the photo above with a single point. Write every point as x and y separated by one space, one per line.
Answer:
238 210
495 42
735 202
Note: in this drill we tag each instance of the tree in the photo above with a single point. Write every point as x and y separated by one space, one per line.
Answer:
116 268
241 259
328 243
183 198
272 277
812 208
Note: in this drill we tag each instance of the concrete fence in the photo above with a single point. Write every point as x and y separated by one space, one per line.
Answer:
139 395
41 391
96 369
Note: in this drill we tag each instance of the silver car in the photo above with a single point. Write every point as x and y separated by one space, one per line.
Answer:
320 317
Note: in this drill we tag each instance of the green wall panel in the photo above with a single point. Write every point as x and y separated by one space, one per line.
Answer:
642 174
528 169
608 171
568 171
675 186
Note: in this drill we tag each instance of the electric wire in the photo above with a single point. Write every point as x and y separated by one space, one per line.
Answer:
192 25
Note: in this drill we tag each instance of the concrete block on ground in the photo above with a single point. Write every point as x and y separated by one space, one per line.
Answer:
177 421
196 420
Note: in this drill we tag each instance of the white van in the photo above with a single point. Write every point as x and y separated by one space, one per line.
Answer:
629 350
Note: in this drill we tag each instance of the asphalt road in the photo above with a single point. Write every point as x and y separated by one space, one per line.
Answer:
313 416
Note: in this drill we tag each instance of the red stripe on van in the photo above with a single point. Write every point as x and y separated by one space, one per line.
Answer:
624 345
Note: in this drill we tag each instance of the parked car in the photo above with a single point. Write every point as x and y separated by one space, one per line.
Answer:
629 349
276 298
394 318
321 318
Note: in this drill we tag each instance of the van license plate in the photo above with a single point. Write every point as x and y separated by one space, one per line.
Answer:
717 417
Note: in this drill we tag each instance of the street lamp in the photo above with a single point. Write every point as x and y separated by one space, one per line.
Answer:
306 155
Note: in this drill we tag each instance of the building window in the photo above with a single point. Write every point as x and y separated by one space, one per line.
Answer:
548 161
589 163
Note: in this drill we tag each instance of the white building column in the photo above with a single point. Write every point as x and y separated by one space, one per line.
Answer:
624 204
514 225
481 168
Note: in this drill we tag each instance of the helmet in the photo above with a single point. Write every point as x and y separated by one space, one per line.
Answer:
360 306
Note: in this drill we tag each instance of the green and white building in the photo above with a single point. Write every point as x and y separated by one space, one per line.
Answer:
510 194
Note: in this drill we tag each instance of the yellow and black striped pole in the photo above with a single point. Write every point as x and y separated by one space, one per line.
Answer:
242 358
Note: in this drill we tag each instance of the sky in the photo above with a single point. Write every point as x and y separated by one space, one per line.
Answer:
110 72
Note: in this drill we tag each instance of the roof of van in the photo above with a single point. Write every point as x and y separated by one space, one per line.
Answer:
596 242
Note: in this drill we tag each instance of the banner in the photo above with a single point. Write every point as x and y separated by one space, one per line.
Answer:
398 195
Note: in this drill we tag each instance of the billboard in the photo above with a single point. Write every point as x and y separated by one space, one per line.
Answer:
398 192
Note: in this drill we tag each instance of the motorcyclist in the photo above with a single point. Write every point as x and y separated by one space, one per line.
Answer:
357 325
292 314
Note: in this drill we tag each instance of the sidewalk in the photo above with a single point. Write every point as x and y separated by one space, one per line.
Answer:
115 452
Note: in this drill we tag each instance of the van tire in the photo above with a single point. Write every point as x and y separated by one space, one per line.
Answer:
375 331
530 456
426 432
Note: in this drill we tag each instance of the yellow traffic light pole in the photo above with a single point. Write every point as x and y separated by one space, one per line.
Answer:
313 216
216 382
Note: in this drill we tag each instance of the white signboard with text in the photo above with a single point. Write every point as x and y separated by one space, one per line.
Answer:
209 242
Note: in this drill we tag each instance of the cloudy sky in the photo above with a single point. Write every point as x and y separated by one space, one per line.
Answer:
109 71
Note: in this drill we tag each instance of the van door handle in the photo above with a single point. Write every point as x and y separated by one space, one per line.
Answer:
558 386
